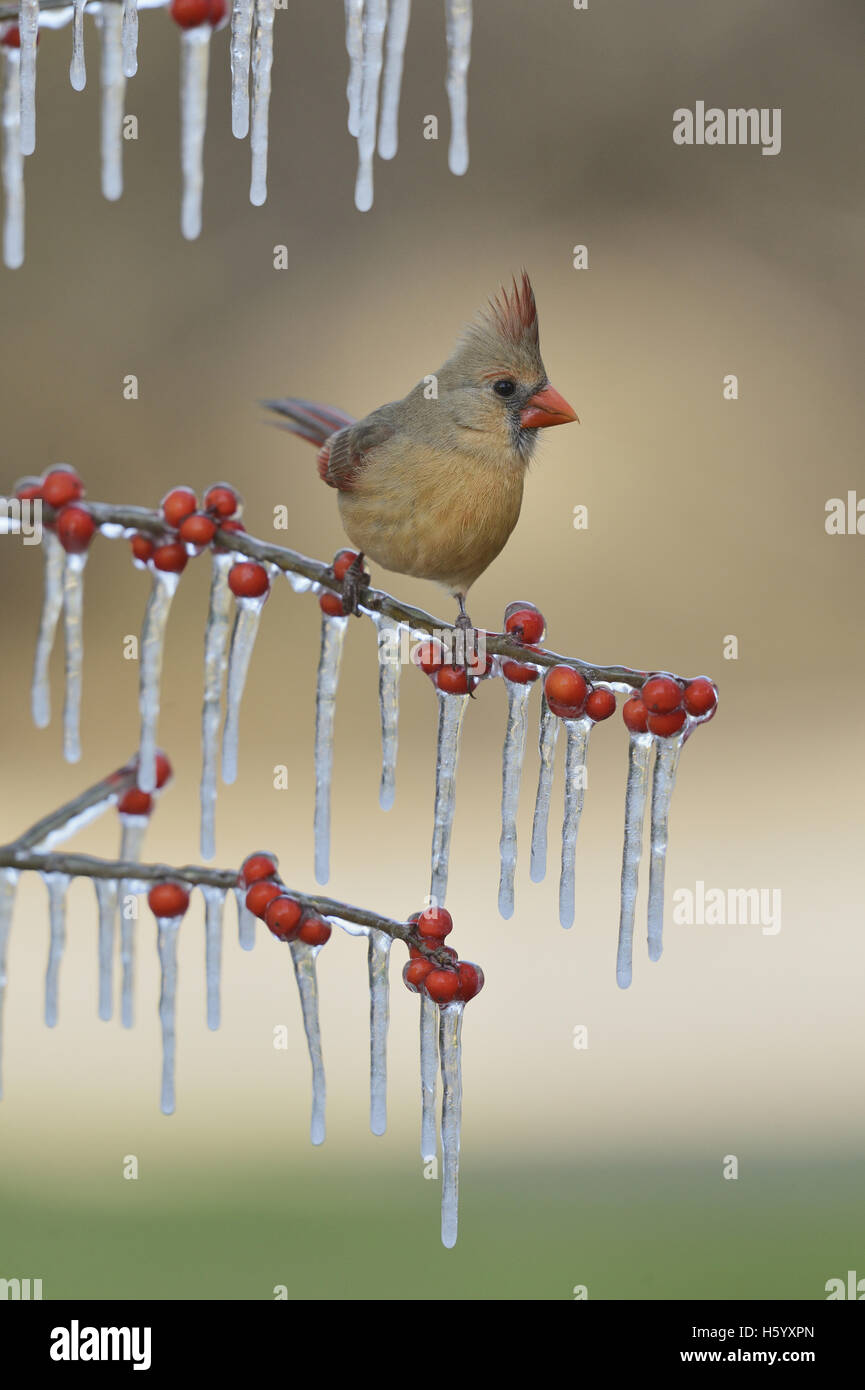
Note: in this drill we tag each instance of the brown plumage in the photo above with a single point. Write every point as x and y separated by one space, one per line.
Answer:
432 485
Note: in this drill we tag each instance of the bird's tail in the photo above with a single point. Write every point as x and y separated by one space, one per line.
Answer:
308 419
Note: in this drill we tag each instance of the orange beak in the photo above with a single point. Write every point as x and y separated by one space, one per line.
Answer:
547 407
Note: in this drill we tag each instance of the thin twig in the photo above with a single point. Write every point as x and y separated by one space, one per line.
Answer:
115 784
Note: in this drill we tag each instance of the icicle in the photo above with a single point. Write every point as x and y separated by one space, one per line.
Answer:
194 68
152 648
54 560
378 959
77 68
215 650
245 921
241 31
547 737
303 959
112 85
242 642
28 30
106 897
389 671
8 886
450 1028
374 21
73 628
57 885
639 750
451 711
13 162
214 906
578 731
132 830
167 944
512 766
332 637
397 30
130 38
428 1074
663 781
262 58
459 34
354 47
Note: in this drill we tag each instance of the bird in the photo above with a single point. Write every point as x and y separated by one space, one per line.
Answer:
432 485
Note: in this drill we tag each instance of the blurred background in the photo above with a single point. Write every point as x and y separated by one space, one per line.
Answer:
603 1166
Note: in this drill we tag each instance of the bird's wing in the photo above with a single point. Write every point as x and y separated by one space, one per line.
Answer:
343 457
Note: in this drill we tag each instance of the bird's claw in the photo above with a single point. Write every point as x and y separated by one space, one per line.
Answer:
354 580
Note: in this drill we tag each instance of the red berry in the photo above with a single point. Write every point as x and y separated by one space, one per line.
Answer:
478 665
260 894
218 11
257 866
342 562
197 529
314 931
168 900
414 972
442 986
75 529
566 691
471 980
331 605
435 923
661 694
635 714
12 38
429 655
28 489
524 622
135 803
178 504
221 501
142 547
518 672
700 696
247 579
164 770
60 486
600 704
454 680
282 916
171 557
190 13
666 724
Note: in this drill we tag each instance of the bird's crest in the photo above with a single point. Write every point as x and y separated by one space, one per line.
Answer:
514 314
504 332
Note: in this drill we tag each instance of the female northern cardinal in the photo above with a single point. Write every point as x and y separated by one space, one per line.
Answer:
432 485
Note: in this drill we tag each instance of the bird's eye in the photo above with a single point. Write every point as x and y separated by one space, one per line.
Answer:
504 387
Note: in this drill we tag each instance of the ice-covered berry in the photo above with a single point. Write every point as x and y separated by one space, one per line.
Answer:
171 557
168 900
222 502
282 916
471 980
60 486
442 986
665 725
454 680
314 931
75 528
524 622
429 655
178 504
600 704
414 972
260 894
434 924
247 579
661 694
635 714
566 691
197 529
342 562
135 803
331 605
142 547
701 696
257 866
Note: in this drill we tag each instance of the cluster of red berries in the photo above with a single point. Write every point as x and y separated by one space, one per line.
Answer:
188 529
62 489
569 695
663 704
330 603
135 802
282 914
457 982
191 14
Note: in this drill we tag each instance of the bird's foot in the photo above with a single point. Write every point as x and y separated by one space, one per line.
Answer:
354 580
467 657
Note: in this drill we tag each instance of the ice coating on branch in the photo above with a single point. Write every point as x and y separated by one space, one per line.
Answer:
429 1024
214 906
77 68
73 633
28 29
112 85
106 898
167 928
332 638
54 561
458 17
378 959
303 959
663 781
578 731
150 676
547 738
8 887
374 21
242 642
451 711
300 583
129 37
132 831
57 885
245 921
389 671
194 68
218 626
354 47
241 34
262 59
512 766
397 30
639 752
450 1052
13 162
